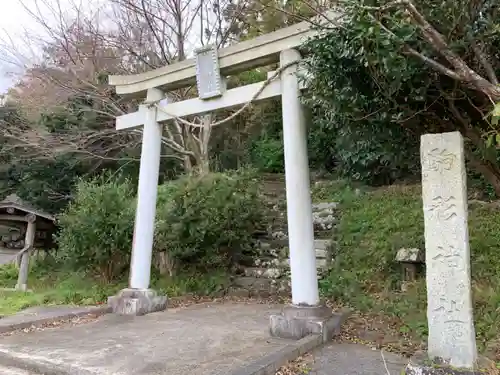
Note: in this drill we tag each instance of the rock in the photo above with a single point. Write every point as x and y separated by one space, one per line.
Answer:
269 273
324 206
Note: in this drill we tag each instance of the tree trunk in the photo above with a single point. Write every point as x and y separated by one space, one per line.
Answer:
165 264
489 171
205 134
188 166
198 144
204 167
487 167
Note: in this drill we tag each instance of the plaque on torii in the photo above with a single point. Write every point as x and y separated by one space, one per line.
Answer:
208 78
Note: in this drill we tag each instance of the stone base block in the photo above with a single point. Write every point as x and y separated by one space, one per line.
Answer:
137 302
420 364
296 322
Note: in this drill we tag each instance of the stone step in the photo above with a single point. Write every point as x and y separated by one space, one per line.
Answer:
247 293
321 263
272 177
263 293
268 244
268 273
273 191
325 206
320 223
252 282
321 253
275 188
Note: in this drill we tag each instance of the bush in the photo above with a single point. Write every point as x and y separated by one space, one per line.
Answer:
8 275
355 126
268 155
207 222
97 227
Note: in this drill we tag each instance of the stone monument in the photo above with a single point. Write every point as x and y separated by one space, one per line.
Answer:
452 341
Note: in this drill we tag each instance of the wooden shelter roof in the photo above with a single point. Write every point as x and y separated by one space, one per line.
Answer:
16 203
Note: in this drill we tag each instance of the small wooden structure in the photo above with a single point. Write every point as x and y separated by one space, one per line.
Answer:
23 228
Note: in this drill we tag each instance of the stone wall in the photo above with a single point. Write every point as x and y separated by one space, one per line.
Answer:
269 271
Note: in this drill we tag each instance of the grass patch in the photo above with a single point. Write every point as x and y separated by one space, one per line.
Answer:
374 225
54 288
51 285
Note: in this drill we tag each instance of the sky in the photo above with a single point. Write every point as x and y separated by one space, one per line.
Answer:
15 22
12 19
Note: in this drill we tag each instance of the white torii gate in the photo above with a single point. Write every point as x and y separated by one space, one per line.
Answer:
206 70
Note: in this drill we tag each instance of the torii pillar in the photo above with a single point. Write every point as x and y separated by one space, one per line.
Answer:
306 315
138 299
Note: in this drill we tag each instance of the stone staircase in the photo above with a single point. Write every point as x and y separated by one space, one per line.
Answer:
267 272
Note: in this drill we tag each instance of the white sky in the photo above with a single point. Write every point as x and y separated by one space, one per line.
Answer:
15 23
12 19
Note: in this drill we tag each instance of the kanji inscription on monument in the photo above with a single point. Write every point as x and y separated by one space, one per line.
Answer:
444 194
208 79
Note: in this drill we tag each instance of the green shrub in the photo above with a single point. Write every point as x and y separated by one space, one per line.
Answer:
8 275
97 228
207 222
268 155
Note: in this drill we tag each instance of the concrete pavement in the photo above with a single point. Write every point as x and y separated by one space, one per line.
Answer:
354 359
200 339
208 339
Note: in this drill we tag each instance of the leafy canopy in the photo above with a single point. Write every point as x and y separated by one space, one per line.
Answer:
388 71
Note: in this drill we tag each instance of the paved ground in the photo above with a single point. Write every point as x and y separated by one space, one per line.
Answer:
354 359
42 311
201 339
7 370
8 255
45 313
194 340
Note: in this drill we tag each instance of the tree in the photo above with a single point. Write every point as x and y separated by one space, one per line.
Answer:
129 36
427 66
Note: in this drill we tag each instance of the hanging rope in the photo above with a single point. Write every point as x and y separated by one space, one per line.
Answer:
266 83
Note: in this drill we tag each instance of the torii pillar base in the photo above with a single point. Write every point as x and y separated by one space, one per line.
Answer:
137 302
297 322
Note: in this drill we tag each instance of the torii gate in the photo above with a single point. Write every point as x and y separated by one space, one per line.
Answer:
207 70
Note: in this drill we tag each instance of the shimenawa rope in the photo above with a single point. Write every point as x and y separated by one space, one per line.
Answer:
232 116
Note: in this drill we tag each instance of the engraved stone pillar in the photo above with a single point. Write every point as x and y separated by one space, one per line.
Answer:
452 338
